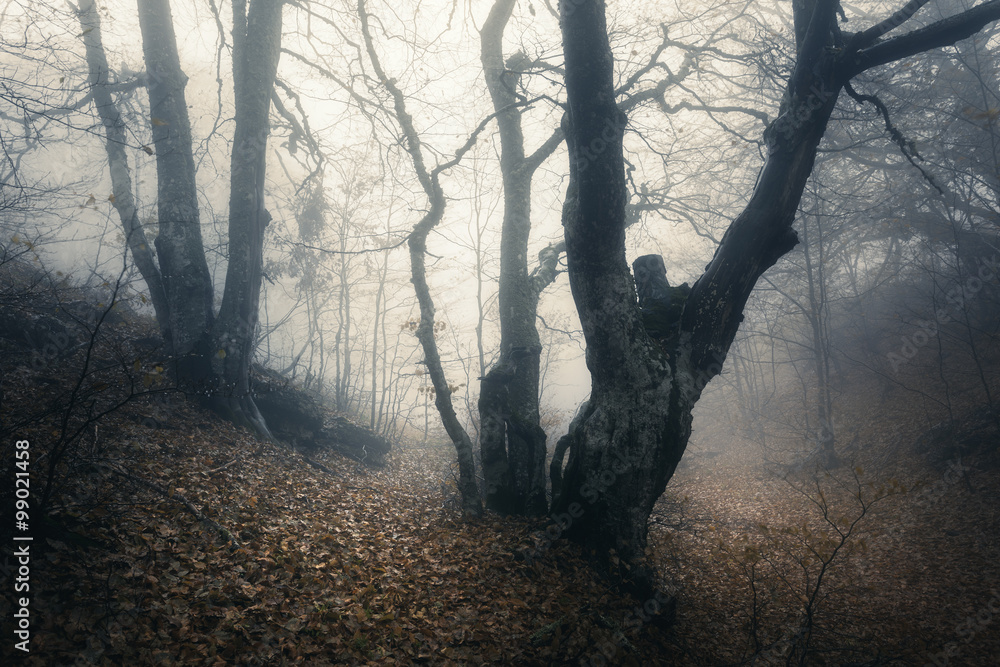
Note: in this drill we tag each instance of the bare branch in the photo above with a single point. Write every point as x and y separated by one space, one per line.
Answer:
942 33
866 37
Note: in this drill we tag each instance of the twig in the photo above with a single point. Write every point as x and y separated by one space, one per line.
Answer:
224 466
320 466
187 504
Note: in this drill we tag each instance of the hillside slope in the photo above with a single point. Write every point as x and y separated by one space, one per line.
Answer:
168 536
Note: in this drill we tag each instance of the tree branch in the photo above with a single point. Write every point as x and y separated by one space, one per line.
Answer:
542 153
942 33
905 147
866 37
548 266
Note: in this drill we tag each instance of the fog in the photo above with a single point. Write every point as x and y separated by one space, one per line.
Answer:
387 253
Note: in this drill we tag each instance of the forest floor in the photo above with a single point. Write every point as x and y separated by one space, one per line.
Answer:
890 559
329 562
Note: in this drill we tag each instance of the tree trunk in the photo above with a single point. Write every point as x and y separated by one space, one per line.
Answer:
121 175
816 314
212 356
256 50
638 420
512 443
429 181
187 282
344 321
377 317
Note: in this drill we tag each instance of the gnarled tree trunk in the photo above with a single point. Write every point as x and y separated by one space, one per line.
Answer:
636 426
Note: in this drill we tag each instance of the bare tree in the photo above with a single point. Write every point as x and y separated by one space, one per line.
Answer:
116 145
638 421
212 354
425 331
256 50
512 442
186 280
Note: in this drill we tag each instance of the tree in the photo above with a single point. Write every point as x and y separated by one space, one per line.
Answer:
256 50
116 143
430 183
512 442
211 354
186 280
627 443
807 287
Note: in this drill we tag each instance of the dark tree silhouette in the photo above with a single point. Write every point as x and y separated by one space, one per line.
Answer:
633 432
212 352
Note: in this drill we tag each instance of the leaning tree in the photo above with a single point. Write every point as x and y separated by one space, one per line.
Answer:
626 444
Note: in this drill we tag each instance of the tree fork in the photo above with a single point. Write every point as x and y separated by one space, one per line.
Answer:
636 426
512 442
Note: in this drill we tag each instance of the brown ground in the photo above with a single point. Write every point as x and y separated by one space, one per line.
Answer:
354 566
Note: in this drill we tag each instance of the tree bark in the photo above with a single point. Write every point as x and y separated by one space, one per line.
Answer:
187 282
212 355
512 443
121 175
636 426
256 50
